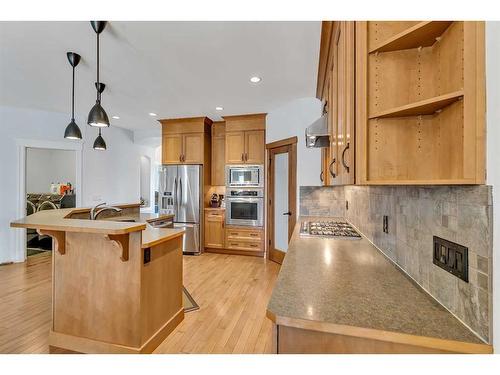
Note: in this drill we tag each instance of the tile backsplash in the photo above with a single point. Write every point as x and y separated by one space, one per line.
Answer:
462 214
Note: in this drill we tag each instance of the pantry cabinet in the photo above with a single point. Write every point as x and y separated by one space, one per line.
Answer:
245 139
218 153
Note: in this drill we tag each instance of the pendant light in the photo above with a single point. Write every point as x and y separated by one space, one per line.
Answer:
97 115
99 143
72 130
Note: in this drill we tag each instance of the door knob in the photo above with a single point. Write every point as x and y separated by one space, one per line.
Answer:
288 213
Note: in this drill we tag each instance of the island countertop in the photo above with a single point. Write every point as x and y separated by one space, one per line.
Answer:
336 285
59 220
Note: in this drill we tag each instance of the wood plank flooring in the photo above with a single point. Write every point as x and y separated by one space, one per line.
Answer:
232 291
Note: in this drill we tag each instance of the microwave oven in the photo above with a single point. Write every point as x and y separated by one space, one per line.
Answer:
241 176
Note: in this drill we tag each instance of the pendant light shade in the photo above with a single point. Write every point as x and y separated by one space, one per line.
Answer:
97 115
99 143
72 130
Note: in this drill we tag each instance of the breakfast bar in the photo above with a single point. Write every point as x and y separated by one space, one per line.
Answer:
116 281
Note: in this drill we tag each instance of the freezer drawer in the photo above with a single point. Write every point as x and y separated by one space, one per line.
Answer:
191 243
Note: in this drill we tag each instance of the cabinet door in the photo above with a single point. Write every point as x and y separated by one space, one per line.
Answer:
214 230
218 160
193 148
171 149
254 147
235 147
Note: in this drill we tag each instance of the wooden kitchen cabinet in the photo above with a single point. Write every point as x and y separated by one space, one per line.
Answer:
337 91
186 141
245 240
420 94
214 229
245 139
218 153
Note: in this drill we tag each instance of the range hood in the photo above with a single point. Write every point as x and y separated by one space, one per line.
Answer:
317 133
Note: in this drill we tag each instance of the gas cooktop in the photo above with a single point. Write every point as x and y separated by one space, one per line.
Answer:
328 229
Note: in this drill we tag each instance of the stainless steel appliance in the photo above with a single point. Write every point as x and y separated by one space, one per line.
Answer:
328 229
181 194
245 176
245 207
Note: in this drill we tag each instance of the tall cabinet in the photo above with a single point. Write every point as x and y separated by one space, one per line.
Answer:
245 139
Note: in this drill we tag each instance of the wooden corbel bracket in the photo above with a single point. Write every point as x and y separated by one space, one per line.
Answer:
122 241
59 238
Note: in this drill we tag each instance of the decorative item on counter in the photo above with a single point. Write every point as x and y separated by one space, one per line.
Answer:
214 201
222 202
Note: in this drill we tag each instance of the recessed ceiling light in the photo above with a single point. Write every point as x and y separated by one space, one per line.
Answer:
116 117
219 108
152 114
255 79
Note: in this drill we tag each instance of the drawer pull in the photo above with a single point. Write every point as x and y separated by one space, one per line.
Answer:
254 234
254 245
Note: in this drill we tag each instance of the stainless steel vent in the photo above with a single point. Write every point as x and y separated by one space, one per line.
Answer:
317 133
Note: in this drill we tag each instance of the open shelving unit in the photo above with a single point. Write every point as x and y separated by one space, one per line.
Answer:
421 103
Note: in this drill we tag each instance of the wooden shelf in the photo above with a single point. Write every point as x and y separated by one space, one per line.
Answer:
421 108
423 34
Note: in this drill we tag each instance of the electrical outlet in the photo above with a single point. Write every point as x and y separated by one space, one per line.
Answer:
451 257
385 224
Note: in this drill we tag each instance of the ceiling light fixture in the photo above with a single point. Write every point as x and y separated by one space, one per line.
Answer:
219 108
97 115
99 143
255 79
116 117
72 130
152 114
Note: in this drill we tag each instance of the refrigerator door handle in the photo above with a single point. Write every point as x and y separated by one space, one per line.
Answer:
180 188
175 197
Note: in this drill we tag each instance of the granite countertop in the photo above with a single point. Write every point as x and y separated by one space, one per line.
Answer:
351 283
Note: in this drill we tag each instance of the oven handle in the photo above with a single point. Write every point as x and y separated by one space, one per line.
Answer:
245 200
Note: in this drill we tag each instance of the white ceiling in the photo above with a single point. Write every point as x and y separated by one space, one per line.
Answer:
175 69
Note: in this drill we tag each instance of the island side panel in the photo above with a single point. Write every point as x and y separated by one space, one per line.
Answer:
161 292
96 295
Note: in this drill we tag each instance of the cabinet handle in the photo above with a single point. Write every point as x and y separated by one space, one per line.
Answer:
254 245
330 168
180 157
321 176
246 156
242 156
343 160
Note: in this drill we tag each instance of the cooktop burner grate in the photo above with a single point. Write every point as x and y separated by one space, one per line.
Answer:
328 229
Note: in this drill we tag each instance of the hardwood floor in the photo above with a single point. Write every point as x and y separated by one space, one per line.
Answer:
232 292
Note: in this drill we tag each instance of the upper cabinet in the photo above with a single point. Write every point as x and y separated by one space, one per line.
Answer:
245 139
421 98
218 152
336 88
186 141
405 102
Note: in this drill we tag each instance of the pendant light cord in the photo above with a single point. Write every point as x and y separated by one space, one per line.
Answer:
98 92
73 97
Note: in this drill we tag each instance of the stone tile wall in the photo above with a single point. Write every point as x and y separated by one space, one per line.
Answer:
461 214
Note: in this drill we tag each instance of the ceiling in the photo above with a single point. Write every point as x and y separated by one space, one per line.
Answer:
174 69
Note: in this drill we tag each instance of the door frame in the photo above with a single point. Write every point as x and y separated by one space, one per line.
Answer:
22 145
288 145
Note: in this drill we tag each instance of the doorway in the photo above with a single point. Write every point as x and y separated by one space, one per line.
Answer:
282 190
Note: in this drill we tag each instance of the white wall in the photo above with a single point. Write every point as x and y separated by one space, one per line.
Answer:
291 120
493 158
47 166
111 176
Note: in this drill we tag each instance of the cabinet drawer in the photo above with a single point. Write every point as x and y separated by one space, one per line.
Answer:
214 215
244 234
244 245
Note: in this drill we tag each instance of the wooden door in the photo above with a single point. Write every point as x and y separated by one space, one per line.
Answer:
193 148
282 190
214 229
254 147
172 149
235 147
218 160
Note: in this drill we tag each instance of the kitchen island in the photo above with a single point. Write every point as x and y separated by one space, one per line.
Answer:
116 281
345 296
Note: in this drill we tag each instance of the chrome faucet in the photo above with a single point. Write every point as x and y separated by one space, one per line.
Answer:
94 212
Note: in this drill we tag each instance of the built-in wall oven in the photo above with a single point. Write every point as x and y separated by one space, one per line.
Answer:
245 176
245 207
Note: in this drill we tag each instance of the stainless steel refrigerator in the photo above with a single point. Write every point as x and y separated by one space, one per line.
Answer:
181 194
